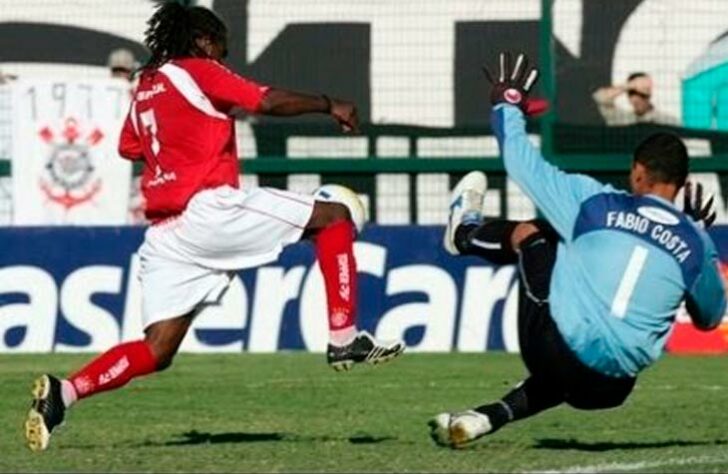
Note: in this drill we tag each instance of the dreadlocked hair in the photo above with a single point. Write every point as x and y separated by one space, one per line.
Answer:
174 28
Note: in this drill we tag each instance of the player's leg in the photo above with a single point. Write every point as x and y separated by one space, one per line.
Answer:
543 389
233 229
111 370
540 344
532 396
590 390
557 374
468 233
333 233
534 245
558 377
543 349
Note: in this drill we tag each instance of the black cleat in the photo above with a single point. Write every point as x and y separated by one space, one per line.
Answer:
46 412
364 348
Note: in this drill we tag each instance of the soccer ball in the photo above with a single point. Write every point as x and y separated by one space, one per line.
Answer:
347 197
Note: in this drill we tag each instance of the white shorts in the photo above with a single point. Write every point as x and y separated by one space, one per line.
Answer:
190 260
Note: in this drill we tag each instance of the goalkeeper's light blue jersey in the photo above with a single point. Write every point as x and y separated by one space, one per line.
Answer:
624 262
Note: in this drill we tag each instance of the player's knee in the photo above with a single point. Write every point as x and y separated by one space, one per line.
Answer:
339 212
600 396
327 213
522 231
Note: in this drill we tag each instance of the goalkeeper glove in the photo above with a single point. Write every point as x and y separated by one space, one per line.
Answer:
512 85
703 213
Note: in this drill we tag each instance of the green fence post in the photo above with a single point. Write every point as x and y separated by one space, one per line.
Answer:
548 79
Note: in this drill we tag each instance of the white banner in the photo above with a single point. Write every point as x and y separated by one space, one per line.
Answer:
66 169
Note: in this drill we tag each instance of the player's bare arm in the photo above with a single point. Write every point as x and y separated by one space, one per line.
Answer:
283 102
286 103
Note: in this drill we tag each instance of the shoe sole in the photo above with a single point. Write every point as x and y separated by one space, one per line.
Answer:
458 436
342 365
36 433
346 365
380 359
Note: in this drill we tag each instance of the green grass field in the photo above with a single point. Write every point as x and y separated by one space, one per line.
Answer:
291 413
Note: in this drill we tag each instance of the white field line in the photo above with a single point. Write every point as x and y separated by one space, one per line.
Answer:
637 466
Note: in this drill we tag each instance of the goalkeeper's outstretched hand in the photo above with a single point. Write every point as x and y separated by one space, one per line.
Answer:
513 83
700 210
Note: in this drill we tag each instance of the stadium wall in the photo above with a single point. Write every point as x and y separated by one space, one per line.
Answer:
74 289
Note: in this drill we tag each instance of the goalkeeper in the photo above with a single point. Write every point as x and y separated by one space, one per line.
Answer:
601 278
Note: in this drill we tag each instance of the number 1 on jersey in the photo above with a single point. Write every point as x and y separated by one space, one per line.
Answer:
149 124
629 281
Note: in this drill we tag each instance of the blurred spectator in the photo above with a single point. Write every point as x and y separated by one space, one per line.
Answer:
122 64
5 78
639 93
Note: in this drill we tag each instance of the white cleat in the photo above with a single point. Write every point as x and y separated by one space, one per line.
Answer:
466 203
456 430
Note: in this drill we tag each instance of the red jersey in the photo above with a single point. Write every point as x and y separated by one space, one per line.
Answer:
179 123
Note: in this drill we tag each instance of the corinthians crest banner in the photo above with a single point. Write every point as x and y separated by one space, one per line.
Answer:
65 166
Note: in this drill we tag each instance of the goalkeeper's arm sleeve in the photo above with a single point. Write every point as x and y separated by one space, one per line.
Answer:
557 194
706 300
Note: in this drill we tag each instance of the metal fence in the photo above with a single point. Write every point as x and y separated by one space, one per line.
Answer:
413 67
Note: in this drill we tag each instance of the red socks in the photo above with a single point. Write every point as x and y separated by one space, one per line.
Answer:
114 368
335 253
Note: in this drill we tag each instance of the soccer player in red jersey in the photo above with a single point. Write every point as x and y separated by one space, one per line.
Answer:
203 226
